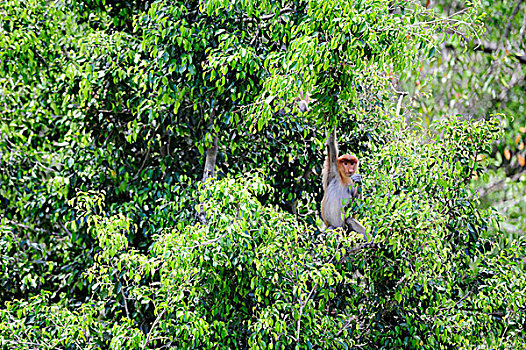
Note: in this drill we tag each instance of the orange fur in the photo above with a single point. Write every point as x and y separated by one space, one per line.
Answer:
346 180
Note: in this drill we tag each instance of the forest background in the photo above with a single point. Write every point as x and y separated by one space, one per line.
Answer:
159 187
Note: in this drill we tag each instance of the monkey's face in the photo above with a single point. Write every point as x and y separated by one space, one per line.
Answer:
348 164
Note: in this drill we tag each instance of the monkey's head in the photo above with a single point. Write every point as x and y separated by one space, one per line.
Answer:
348 165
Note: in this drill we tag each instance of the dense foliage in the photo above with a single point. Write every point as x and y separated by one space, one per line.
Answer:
477 78
109 238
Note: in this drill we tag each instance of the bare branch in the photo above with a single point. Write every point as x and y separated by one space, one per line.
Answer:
401 95
493 186
298 325
125 304
151 329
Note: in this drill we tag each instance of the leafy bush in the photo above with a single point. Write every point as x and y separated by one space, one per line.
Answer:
255 277
107 121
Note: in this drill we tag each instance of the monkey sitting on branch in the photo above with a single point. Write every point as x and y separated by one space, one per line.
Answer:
341 185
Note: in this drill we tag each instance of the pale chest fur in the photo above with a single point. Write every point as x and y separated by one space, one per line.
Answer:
336 195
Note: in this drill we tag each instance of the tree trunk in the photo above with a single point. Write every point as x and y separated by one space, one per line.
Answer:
210 163
209 169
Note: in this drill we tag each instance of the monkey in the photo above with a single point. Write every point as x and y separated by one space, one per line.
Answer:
340 184
303 101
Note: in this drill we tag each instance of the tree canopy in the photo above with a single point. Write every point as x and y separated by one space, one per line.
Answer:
160 187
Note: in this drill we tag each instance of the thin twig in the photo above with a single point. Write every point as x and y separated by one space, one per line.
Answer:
143 163
125 304
490 47
458 302
207 242
36 229
265 17
345 326
151 329
65 229
298 326
439 20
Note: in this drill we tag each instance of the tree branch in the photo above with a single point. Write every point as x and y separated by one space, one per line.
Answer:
401 95
298 325
491 48
508 27
493 186
143 163
265 17
151 329
210 164
125 304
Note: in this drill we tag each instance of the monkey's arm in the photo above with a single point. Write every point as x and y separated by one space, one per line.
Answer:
332 155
